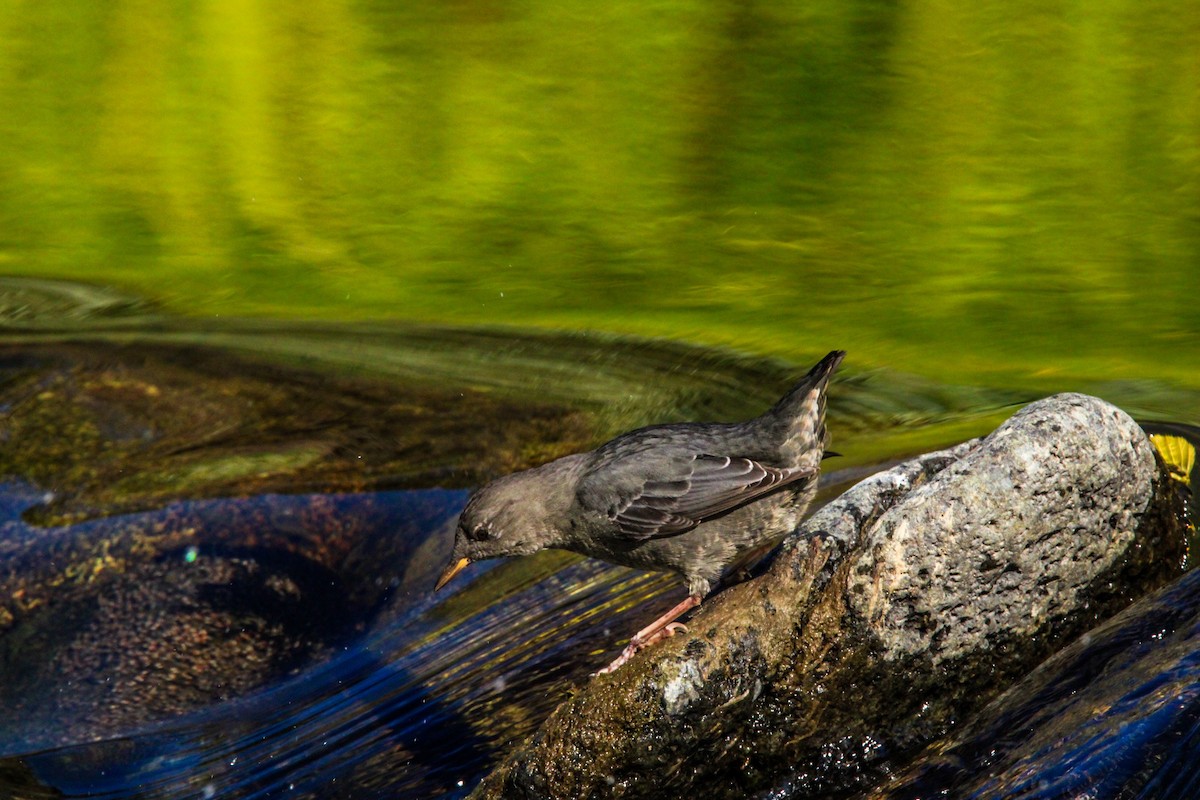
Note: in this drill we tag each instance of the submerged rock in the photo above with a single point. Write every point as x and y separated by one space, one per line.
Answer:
199 603
108 429
913 599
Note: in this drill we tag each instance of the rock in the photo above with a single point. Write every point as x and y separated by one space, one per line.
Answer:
108 429
910 601
1003 567
1110 716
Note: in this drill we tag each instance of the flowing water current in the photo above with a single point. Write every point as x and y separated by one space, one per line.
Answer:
218 544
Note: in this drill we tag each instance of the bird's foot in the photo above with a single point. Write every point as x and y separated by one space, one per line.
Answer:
670 630
656 631
619 661
640 643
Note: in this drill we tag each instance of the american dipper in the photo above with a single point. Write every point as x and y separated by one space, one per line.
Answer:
691 498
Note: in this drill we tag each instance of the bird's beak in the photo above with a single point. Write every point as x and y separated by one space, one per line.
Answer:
452 570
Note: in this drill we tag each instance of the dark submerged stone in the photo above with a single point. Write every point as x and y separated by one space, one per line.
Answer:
109 428
122 459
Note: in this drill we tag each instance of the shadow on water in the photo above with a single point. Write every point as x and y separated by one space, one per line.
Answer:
217 544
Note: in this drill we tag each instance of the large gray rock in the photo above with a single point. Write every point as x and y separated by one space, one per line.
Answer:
1020 525
908 602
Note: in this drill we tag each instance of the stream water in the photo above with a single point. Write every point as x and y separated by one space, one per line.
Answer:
189 617
280 283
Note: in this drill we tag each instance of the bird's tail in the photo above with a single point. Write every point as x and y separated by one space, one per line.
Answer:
802 410
793 403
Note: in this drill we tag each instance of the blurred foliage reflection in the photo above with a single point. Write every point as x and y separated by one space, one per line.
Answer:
969 191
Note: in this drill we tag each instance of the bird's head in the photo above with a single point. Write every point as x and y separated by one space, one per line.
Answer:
504 518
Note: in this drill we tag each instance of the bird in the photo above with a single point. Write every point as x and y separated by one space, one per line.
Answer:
691 498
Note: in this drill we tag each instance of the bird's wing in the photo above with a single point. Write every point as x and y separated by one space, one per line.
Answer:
695 488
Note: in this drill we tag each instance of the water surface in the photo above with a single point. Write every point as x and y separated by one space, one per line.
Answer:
976 194
219 539
372 255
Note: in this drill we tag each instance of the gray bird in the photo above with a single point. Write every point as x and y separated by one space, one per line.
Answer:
692 498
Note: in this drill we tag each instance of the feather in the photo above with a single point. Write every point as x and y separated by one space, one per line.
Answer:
702 487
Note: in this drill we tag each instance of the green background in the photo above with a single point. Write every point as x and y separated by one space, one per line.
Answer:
982 192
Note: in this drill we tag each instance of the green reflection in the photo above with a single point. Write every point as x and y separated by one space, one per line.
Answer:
973 192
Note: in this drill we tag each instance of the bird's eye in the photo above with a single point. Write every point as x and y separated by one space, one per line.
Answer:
483 532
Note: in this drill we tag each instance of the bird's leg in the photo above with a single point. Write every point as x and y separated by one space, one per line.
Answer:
662 628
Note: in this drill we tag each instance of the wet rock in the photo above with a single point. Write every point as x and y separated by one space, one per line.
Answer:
106 429
1113 715
913 599
986 581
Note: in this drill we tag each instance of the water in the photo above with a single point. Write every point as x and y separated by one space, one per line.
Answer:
262 643
400 693
1112 716
426 696
178 624
295 278
971 194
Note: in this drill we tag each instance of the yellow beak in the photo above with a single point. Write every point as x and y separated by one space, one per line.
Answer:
452 570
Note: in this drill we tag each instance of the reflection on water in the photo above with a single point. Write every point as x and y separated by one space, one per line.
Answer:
1000 190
